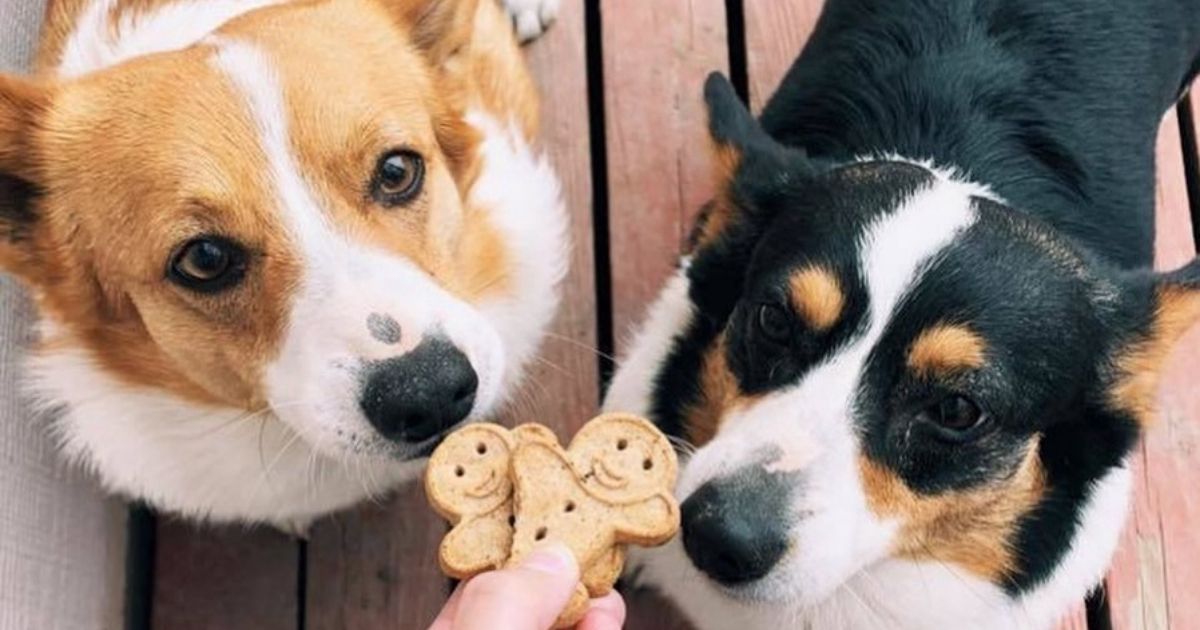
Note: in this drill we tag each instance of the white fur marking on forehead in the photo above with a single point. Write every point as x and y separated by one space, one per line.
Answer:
942 173
898 246
252 74
96 43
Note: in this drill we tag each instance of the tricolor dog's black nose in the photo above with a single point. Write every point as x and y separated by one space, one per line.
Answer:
418 395
732 535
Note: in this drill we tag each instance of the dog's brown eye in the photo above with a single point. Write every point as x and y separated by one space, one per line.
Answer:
398 178
774 323
955 414
208 264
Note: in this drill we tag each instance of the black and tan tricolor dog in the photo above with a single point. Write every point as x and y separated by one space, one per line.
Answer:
918 336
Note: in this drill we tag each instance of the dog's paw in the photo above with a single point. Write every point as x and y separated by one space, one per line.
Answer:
531 18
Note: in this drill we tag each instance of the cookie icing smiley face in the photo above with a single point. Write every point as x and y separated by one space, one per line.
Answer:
467 482
468 473
623 456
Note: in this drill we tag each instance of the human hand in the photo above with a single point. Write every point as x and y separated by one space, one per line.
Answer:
526 597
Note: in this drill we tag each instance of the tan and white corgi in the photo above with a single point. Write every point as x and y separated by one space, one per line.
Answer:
277 248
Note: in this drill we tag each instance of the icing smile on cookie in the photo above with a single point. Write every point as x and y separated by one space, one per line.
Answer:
606 477
486 487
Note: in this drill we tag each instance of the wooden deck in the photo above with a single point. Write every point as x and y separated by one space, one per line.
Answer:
624 121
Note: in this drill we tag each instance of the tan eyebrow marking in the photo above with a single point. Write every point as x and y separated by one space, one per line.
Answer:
817 296
945 349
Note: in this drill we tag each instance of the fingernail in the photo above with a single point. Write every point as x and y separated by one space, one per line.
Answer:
553 558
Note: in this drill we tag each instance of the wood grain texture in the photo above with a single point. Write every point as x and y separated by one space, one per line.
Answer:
1155 577
656 56
375 568
776 31
226 578
62 544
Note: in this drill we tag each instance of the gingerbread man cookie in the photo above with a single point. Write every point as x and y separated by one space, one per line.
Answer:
467 483
611 487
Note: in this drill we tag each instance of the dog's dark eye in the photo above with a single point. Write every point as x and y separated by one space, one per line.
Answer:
398 178
774 323
954 414
208 264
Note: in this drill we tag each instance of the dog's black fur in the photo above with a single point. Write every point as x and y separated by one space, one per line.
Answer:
1054 106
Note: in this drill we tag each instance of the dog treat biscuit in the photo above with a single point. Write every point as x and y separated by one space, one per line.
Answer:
611 487
507 492
468 484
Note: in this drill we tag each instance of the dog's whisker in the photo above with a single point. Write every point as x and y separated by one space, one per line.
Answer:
683 446
554 366
579 344
279 456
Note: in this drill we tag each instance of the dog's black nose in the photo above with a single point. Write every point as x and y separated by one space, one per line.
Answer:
418 395
728 536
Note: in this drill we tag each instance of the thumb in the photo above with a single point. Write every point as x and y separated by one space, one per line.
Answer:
529 596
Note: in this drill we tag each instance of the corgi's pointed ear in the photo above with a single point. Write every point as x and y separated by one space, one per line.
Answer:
23 106
1170 308
438 27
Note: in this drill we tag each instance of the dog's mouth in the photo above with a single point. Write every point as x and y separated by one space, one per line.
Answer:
606 477
426 448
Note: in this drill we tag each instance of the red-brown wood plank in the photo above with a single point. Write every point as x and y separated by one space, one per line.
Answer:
226 578
776 30
1155 579
562 389
375 568
656 56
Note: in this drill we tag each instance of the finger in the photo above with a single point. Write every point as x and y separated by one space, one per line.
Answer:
527 597
445 619
605 613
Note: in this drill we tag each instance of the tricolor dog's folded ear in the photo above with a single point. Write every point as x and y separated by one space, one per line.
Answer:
23 106
1169 307
731 126
749 162
438 27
